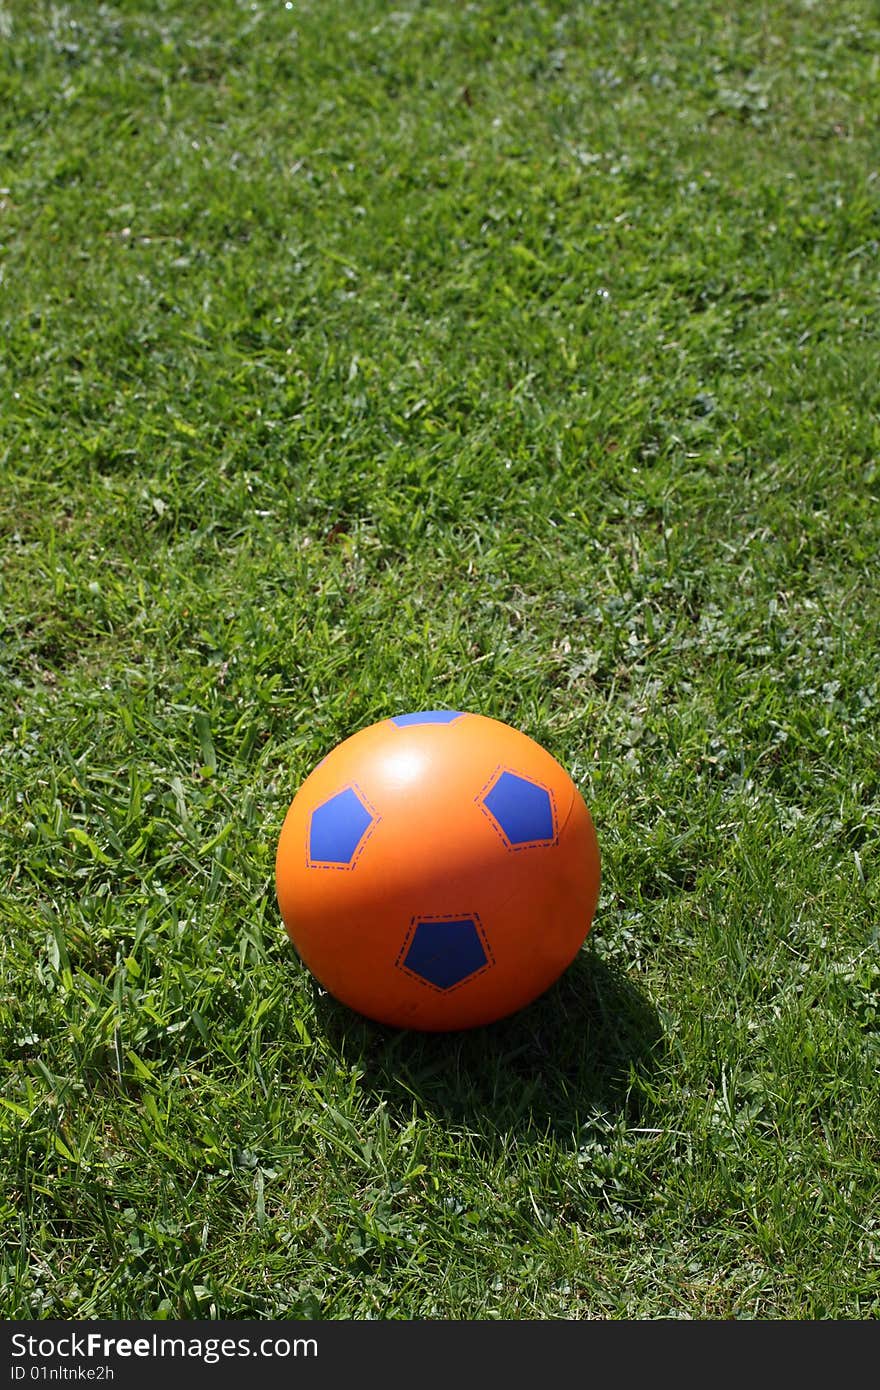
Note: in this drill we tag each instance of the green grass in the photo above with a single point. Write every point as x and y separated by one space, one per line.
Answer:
519 358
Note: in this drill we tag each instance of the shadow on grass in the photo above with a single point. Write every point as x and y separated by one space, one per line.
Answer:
553 1068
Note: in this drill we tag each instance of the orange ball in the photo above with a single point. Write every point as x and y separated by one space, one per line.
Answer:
437 871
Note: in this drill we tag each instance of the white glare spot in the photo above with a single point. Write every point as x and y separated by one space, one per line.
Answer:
405 767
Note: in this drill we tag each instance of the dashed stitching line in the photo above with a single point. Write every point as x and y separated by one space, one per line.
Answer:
526 844
446 917
361 844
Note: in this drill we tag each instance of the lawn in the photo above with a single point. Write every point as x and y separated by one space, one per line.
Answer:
516 358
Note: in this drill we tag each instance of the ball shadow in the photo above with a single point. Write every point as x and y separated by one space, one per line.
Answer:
556 1067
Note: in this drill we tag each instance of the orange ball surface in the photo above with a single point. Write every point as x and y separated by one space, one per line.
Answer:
437 871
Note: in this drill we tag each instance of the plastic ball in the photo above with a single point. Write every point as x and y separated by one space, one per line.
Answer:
437 871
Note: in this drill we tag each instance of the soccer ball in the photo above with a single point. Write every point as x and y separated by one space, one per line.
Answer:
437 871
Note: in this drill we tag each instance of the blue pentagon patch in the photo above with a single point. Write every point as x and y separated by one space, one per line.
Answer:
445 951
338 830
521 809
427 716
